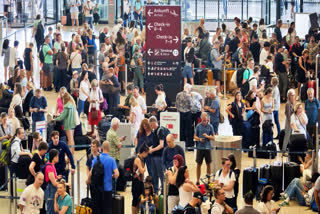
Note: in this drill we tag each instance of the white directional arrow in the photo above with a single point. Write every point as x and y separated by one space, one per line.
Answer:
176 39
150 52
150 26
150 12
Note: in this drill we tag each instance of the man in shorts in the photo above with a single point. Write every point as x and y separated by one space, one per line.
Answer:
203 135
47 65
74 10
217 60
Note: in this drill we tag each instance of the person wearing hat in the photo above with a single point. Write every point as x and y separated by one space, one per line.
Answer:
196 201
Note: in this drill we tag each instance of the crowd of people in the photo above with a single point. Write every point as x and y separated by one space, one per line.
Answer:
88 72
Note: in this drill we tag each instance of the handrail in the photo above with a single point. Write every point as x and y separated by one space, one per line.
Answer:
17 31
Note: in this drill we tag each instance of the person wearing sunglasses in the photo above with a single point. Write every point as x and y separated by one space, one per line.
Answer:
226 179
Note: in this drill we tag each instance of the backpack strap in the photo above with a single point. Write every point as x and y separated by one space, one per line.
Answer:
220 171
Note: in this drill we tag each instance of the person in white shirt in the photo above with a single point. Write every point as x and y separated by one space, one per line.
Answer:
140 100
226 178
88 12
31 199
299 120
160 102
13 60
84 91
17 96
269 64
74 10
267 205
254 79
220 206
126 11
13 121
136 115
264 53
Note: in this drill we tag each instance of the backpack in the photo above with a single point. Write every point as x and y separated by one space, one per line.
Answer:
178 210
245 87
210 64
42 55
166 132
235 57
128 167
97 174
5 158
40 33
43 170
240 72
230 173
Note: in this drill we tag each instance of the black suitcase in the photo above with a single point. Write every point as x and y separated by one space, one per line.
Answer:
88 202
3 178
250 180
82 141
265 172
247 135
276 181
69 21
281 138
291 171
271 147
30 141
298 143
103 128
118 204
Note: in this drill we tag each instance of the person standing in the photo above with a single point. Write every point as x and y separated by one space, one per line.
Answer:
235 110
289 110
312 106
38 107
74 10
103 200
6 59
217 60
277 30
28 61
170 151
248 207
138 9
203 134
188 56
138 69
276 100
281 68
64 150
84 91
183 105
115 142
31 199
214 111
48 64
140 99
88 12
62 62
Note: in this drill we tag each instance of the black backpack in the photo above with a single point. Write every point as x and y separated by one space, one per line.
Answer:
245 87
42 55
166 132
128 167
43 170
240 72
40 33
97 174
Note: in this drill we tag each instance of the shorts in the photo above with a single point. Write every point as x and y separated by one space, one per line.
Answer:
47 68
216 74
203 154
74 15
187 72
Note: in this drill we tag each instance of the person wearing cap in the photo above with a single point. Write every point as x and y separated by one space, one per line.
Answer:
248 207
220 206
137 12
172 172
264 53
88 11
196 201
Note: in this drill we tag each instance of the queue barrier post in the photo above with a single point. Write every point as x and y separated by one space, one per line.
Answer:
9 192
72 190
282 171
15 194
165 193
126 77
78 182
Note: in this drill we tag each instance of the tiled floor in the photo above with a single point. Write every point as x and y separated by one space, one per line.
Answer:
224 129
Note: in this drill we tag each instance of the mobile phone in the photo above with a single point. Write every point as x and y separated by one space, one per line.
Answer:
124 137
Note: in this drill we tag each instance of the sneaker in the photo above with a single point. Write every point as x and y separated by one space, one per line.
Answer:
284 203
220 95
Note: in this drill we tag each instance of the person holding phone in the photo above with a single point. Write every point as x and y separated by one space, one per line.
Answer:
299 120
114 141
267 205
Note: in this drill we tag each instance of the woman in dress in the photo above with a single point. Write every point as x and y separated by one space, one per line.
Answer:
6 54
136 115
28 61
95 99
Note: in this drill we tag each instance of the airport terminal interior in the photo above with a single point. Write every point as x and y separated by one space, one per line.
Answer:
220 22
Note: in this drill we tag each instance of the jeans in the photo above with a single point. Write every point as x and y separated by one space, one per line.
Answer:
276 120
283 84
148 161
173 200
157 173
186 128
89 21
138 78
80 106
136 17
295 189
49 197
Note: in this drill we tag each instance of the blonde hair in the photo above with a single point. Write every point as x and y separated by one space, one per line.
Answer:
67 98
133 101
30 85
94 83
274 81
22 72
296 107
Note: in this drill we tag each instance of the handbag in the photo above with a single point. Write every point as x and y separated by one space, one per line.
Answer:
104 104
76 118
94 113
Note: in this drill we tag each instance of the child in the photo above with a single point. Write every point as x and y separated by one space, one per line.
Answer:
147 200
36 141
96 16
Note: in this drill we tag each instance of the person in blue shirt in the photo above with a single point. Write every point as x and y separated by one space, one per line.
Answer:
137 12
63 149
214 111
38 106
170 151
104 202
311 106
203 134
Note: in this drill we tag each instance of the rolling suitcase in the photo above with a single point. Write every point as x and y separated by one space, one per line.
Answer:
121 180
246 142
276 180
298 143
118 204
250 180
281 138
103 128
210 77
291 171
265 172
87 204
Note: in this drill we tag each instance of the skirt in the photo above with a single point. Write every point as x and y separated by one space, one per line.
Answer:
94 121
